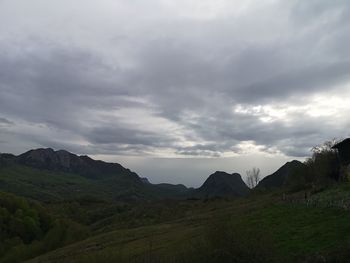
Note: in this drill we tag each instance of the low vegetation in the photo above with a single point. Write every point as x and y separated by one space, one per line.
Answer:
321 170
261 228
27 229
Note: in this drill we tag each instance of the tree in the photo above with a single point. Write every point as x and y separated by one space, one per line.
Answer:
253 177
324 163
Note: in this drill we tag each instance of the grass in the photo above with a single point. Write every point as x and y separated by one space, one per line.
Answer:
53 186
46 186
295 232
299 230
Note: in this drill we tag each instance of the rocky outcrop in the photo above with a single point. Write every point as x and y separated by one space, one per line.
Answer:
64 161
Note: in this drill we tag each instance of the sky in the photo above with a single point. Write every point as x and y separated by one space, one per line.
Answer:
175 90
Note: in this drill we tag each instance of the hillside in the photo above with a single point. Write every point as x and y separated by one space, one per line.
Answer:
255 229
48 175
221 184
280 178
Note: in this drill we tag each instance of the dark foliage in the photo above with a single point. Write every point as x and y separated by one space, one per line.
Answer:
27 229
20 221
323 168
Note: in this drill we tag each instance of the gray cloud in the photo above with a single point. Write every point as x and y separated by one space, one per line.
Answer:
298 83
170 83
122 135
5 121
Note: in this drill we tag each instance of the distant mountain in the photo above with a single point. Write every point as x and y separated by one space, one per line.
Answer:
48 175
221 184
281 176
63 161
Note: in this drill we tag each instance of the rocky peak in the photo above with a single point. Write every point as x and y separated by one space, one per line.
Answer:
65 161
223 184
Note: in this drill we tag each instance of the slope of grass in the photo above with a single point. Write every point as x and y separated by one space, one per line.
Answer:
53 186
275 231
47 186
299 230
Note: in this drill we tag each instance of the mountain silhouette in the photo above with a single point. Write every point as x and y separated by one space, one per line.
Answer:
281 176
221 184
49 175
64 161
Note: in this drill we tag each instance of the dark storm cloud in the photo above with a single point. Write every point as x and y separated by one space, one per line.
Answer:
175 86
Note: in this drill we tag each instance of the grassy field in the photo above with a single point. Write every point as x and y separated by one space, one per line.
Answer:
261 227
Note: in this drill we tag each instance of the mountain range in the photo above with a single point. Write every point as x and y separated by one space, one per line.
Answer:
49 175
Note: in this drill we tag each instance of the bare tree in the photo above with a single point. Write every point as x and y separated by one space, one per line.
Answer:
253 177
327 146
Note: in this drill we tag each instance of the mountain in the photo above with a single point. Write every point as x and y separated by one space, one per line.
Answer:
63 161
281 176
48 175
221 184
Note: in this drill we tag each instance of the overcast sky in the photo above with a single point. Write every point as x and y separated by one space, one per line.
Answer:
175 90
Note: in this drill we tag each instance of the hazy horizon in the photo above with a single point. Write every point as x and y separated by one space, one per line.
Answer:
175 90
192 172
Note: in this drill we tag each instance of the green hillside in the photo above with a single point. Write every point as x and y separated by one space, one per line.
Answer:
264 227
45 185
261 228
51 186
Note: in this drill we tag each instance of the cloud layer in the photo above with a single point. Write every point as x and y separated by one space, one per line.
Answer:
174 79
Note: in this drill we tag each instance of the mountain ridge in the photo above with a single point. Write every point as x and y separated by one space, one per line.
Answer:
121 183
280 177
50 175
221 184
64 161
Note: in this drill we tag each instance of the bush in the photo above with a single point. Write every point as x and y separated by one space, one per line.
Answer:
27 230
320 170
324 163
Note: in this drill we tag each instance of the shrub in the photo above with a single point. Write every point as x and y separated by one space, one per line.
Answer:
320 170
